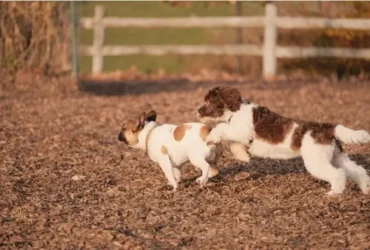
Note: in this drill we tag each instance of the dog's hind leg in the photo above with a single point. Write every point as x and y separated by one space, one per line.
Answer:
317 160
168 170
355 172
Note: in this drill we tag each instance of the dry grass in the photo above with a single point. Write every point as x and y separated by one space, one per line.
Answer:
49 138
34 35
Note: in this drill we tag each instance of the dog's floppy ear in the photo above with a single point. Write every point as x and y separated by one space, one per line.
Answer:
140 122
213 93
151 116
232 98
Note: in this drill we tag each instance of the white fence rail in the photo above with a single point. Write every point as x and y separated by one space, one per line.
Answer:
270 51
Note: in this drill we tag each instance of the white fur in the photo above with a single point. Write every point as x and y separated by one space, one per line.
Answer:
353 171
239 151
350 136
191 148
325 162
317 160
240 128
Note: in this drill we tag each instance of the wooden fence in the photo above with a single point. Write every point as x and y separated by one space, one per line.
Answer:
270 51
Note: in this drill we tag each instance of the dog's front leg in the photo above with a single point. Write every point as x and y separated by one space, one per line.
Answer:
168 170
225 131
218 133
239 150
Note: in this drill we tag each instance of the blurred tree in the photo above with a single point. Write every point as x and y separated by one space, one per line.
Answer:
34 35
327 37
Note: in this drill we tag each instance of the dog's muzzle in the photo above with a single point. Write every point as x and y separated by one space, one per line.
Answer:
201 111
122 138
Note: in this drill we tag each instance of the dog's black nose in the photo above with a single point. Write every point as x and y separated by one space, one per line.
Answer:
200 110
120 137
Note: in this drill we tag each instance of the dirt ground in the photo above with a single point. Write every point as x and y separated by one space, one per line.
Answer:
53 134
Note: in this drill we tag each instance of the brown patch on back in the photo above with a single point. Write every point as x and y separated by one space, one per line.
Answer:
164 150
204 132
274 128
270 126
322 133
179 132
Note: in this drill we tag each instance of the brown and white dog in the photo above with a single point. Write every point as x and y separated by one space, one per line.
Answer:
270 135
171 146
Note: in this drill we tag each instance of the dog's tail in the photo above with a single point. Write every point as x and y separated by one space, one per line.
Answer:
350 136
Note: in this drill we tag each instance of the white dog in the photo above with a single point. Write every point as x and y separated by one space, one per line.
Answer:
271 135
171 146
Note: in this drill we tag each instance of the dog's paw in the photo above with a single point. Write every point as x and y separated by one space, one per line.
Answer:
174 186
365 188
213 172
243 157
202 181
333 193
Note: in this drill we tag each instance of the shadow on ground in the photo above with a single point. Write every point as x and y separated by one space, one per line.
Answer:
137 87
259 167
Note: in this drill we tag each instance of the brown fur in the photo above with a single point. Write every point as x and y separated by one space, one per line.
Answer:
151 116
204 132
274 128
164 150
270 126
226 96
218 99
179 132
129 125
322 133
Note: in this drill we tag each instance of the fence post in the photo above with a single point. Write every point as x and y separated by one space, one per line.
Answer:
239 35
270 40
98 40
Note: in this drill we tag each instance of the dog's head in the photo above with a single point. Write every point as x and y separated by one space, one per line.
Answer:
131 128
218 101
